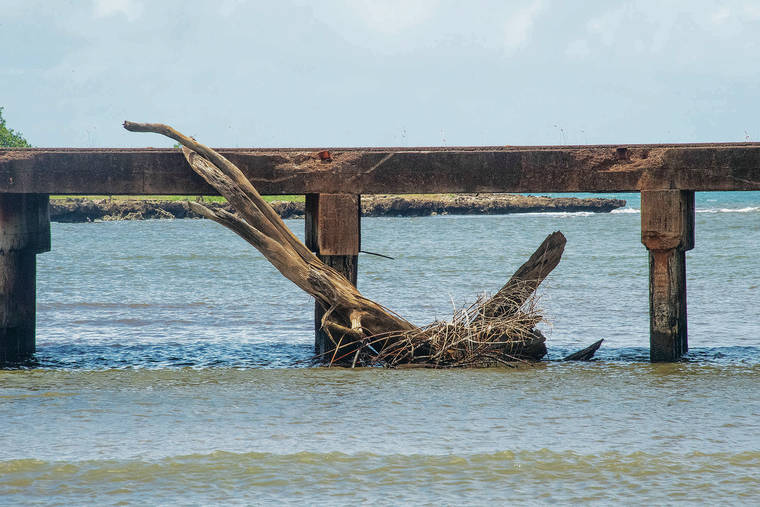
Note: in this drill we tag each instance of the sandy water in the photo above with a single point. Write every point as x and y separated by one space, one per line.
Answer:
172 367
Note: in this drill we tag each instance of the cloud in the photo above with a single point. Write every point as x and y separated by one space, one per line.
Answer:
518 27
742 11
228 7
296 72
132 9
642 26
608 25
393 16
578 49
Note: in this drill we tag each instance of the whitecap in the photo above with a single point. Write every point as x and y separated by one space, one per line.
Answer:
748 209
558 213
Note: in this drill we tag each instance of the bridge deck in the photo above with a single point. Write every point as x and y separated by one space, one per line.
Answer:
611 168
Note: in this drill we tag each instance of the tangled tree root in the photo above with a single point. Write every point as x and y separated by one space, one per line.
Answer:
497 330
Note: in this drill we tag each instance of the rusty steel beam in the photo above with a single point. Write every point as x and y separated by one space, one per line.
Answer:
391 170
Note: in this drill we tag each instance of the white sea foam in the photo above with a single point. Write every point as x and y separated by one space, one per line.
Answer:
558 213
748 209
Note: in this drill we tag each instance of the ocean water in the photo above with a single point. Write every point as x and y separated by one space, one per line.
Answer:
174 366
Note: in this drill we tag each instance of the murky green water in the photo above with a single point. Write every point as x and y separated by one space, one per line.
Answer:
606 432
172 368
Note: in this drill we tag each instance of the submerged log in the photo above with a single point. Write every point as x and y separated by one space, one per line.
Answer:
585 354
498 330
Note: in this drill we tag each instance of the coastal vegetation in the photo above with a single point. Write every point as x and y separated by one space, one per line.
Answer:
68 208
9 138
218 198
202 198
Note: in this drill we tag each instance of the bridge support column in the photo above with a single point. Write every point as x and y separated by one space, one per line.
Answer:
667 230
24 232
333 232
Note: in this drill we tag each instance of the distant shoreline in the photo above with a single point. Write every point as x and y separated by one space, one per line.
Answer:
77 210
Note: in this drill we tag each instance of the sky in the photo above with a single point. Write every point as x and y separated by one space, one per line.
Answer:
300 73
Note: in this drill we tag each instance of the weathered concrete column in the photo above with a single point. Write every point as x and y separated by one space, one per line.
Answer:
24 232
667 230
333 232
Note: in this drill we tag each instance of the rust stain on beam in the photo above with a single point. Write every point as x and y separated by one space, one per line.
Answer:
614 168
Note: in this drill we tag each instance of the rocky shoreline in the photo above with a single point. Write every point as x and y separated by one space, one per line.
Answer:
87 210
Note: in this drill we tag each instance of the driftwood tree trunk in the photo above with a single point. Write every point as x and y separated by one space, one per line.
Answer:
496 330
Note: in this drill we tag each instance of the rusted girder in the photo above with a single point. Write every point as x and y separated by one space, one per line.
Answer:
392 170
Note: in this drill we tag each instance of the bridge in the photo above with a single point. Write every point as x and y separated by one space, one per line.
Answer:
667 175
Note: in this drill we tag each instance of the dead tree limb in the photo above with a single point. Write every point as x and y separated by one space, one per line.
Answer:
527 278
585 354
495 331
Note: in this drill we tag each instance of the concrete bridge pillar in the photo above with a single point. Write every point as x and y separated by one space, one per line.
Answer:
333 232
667 230
24 232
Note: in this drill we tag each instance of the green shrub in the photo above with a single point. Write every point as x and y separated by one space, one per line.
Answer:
10 138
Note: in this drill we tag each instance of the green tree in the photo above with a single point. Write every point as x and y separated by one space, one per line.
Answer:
10 138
